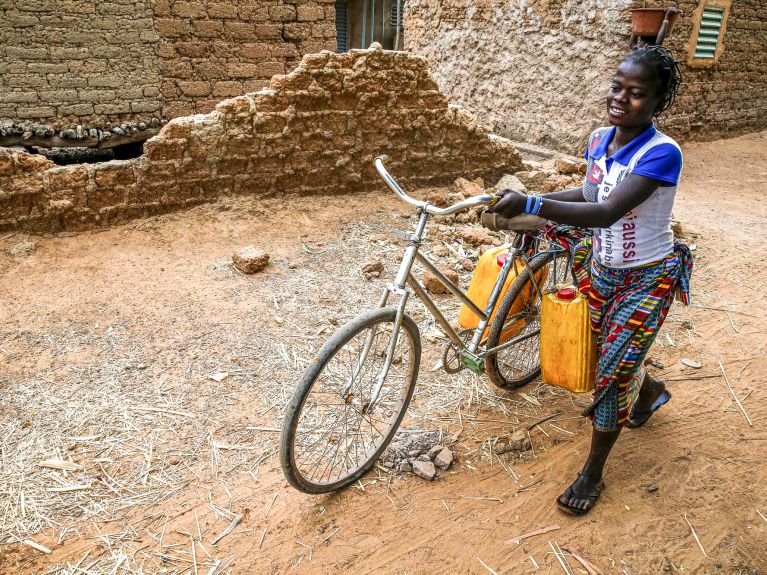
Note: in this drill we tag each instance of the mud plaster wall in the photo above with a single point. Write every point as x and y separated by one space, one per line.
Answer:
315 131
69 62
536 70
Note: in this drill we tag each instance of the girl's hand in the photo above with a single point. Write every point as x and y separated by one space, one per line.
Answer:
511 204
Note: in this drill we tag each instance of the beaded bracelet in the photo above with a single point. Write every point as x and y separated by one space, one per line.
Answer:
533 205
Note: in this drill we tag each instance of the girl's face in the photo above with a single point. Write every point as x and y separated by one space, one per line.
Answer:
632 97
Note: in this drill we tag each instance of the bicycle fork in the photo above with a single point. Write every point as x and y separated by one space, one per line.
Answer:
396 287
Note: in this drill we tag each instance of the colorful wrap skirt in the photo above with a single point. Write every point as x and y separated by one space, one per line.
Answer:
627 307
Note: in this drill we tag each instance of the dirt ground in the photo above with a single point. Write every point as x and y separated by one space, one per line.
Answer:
158 372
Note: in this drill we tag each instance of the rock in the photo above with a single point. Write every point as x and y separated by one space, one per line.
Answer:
432 453
556 183
60 206
654 362
454 198
467 188
22 249
423 457
440 251
532 164
250 260
533 179
414 453
434 285
501 447
437 197
652 488
388 464
691 363
405 467
512 183
520 441
294 265
467 264
444 458
373 267
474 236
424 470
565 166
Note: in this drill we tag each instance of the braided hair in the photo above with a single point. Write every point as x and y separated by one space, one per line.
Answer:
661 63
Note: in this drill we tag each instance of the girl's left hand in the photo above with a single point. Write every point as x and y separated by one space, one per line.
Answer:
511 204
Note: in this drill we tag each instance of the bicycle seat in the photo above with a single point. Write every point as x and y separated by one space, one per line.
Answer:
521 223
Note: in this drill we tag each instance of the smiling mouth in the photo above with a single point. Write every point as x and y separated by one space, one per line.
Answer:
617 111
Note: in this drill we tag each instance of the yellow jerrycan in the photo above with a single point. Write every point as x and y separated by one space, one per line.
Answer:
482 282
568 350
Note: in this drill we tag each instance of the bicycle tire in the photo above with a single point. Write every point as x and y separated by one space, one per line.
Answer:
291 438
520 364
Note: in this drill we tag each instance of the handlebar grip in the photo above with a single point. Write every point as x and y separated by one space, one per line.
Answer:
384 158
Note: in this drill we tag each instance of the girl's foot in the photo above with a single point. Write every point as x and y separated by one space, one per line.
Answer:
581 496
652 396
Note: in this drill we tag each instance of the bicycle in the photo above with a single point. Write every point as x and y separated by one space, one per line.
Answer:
356 391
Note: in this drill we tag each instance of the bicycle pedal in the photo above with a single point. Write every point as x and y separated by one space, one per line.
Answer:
472 362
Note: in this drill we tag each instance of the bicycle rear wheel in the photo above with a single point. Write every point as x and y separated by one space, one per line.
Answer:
332 433
518 318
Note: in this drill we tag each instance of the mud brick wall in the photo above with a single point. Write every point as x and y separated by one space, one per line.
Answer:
729 98
68 62
538 71
314 131
215 50
97 64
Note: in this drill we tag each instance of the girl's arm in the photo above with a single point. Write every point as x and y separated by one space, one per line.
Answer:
570 195
627 195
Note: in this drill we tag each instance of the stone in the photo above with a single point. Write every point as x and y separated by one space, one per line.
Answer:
405 467
556 183
565 166
435 286
414 453
512 183
22 249
533 179
467 188
425 470
423 457
250 260
444 458
373 267
467 264
440 251
500 447
432 453
652 488
474 236
520 441
437 197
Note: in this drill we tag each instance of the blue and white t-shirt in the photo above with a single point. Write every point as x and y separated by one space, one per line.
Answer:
644 234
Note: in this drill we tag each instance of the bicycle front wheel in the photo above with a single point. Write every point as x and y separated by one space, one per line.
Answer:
350 402
519 319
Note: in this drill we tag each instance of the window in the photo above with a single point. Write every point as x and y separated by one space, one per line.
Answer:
707 41
341 36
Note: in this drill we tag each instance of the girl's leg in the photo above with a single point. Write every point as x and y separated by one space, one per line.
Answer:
581 496
652 391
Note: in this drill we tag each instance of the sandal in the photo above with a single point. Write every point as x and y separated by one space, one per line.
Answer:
638 419
591 497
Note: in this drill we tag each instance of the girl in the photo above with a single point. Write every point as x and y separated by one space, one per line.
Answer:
631 267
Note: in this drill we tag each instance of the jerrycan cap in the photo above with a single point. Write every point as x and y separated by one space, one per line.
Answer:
501 259
567 293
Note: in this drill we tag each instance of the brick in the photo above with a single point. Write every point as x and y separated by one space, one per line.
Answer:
195 88
165 149
19 20
18 97
112 174
282 13
24 54
105 82
207 28
255 52
67 178
295 31
176 109
310 13
171 28
222 10
269 69
189 9
241 70
97 95
192 49
268 32
36 113
118 108
145 107
226 89
76 110
239 30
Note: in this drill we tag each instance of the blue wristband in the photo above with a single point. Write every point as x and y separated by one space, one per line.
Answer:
529 204
538 204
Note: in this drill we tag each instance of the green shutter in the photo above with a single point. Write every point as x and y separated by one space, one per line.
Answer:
708 34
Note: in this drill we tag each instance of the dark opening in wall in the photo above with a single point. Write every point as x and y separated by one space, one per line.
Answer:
68 156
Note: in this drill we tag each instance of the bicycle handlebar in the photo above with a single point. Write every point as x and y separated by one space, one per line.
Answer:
480 200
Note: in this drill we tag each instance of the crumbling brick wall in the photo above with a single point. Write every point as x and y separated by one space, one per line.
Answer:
537 72
99 64
314 131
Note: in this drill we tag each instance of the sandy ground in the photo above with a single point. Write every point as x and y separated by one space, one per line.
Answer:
110 339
